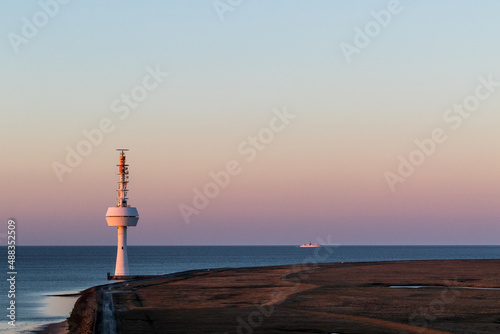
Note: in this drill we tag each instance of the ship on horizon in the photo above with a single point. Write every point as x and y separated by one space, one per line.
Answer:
310 245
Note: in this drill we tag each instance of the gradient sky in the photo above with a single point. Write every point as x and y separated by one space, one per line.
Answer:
323 175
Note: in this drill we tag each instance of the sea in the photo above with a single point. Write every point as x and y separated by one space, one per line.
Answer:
46 273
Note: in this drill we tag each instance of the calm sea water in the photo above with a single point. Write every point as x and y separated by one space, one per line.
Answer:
45 271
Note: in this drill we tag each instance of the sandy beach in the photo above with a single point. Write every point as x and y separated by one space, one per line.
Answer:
434 297
57 328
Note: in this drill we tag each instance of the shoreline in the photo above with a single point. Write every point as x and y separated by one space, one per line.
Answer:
56 303
53 328
352 297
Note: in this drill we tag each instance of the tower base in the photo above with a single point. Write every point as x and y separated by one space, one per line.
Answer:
121 268
129 277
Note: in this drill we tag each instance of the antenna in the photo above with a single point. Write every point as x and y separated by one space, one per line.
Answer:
123 181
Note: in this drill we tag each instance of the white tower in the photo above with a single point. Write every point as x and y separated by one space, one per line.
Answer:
122 216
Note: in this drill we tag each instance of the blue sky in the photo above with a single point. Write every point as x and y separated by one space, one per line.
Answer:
323 175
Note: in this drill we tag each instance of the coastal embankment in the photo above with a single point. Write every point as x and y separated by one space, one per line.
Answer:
432 297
